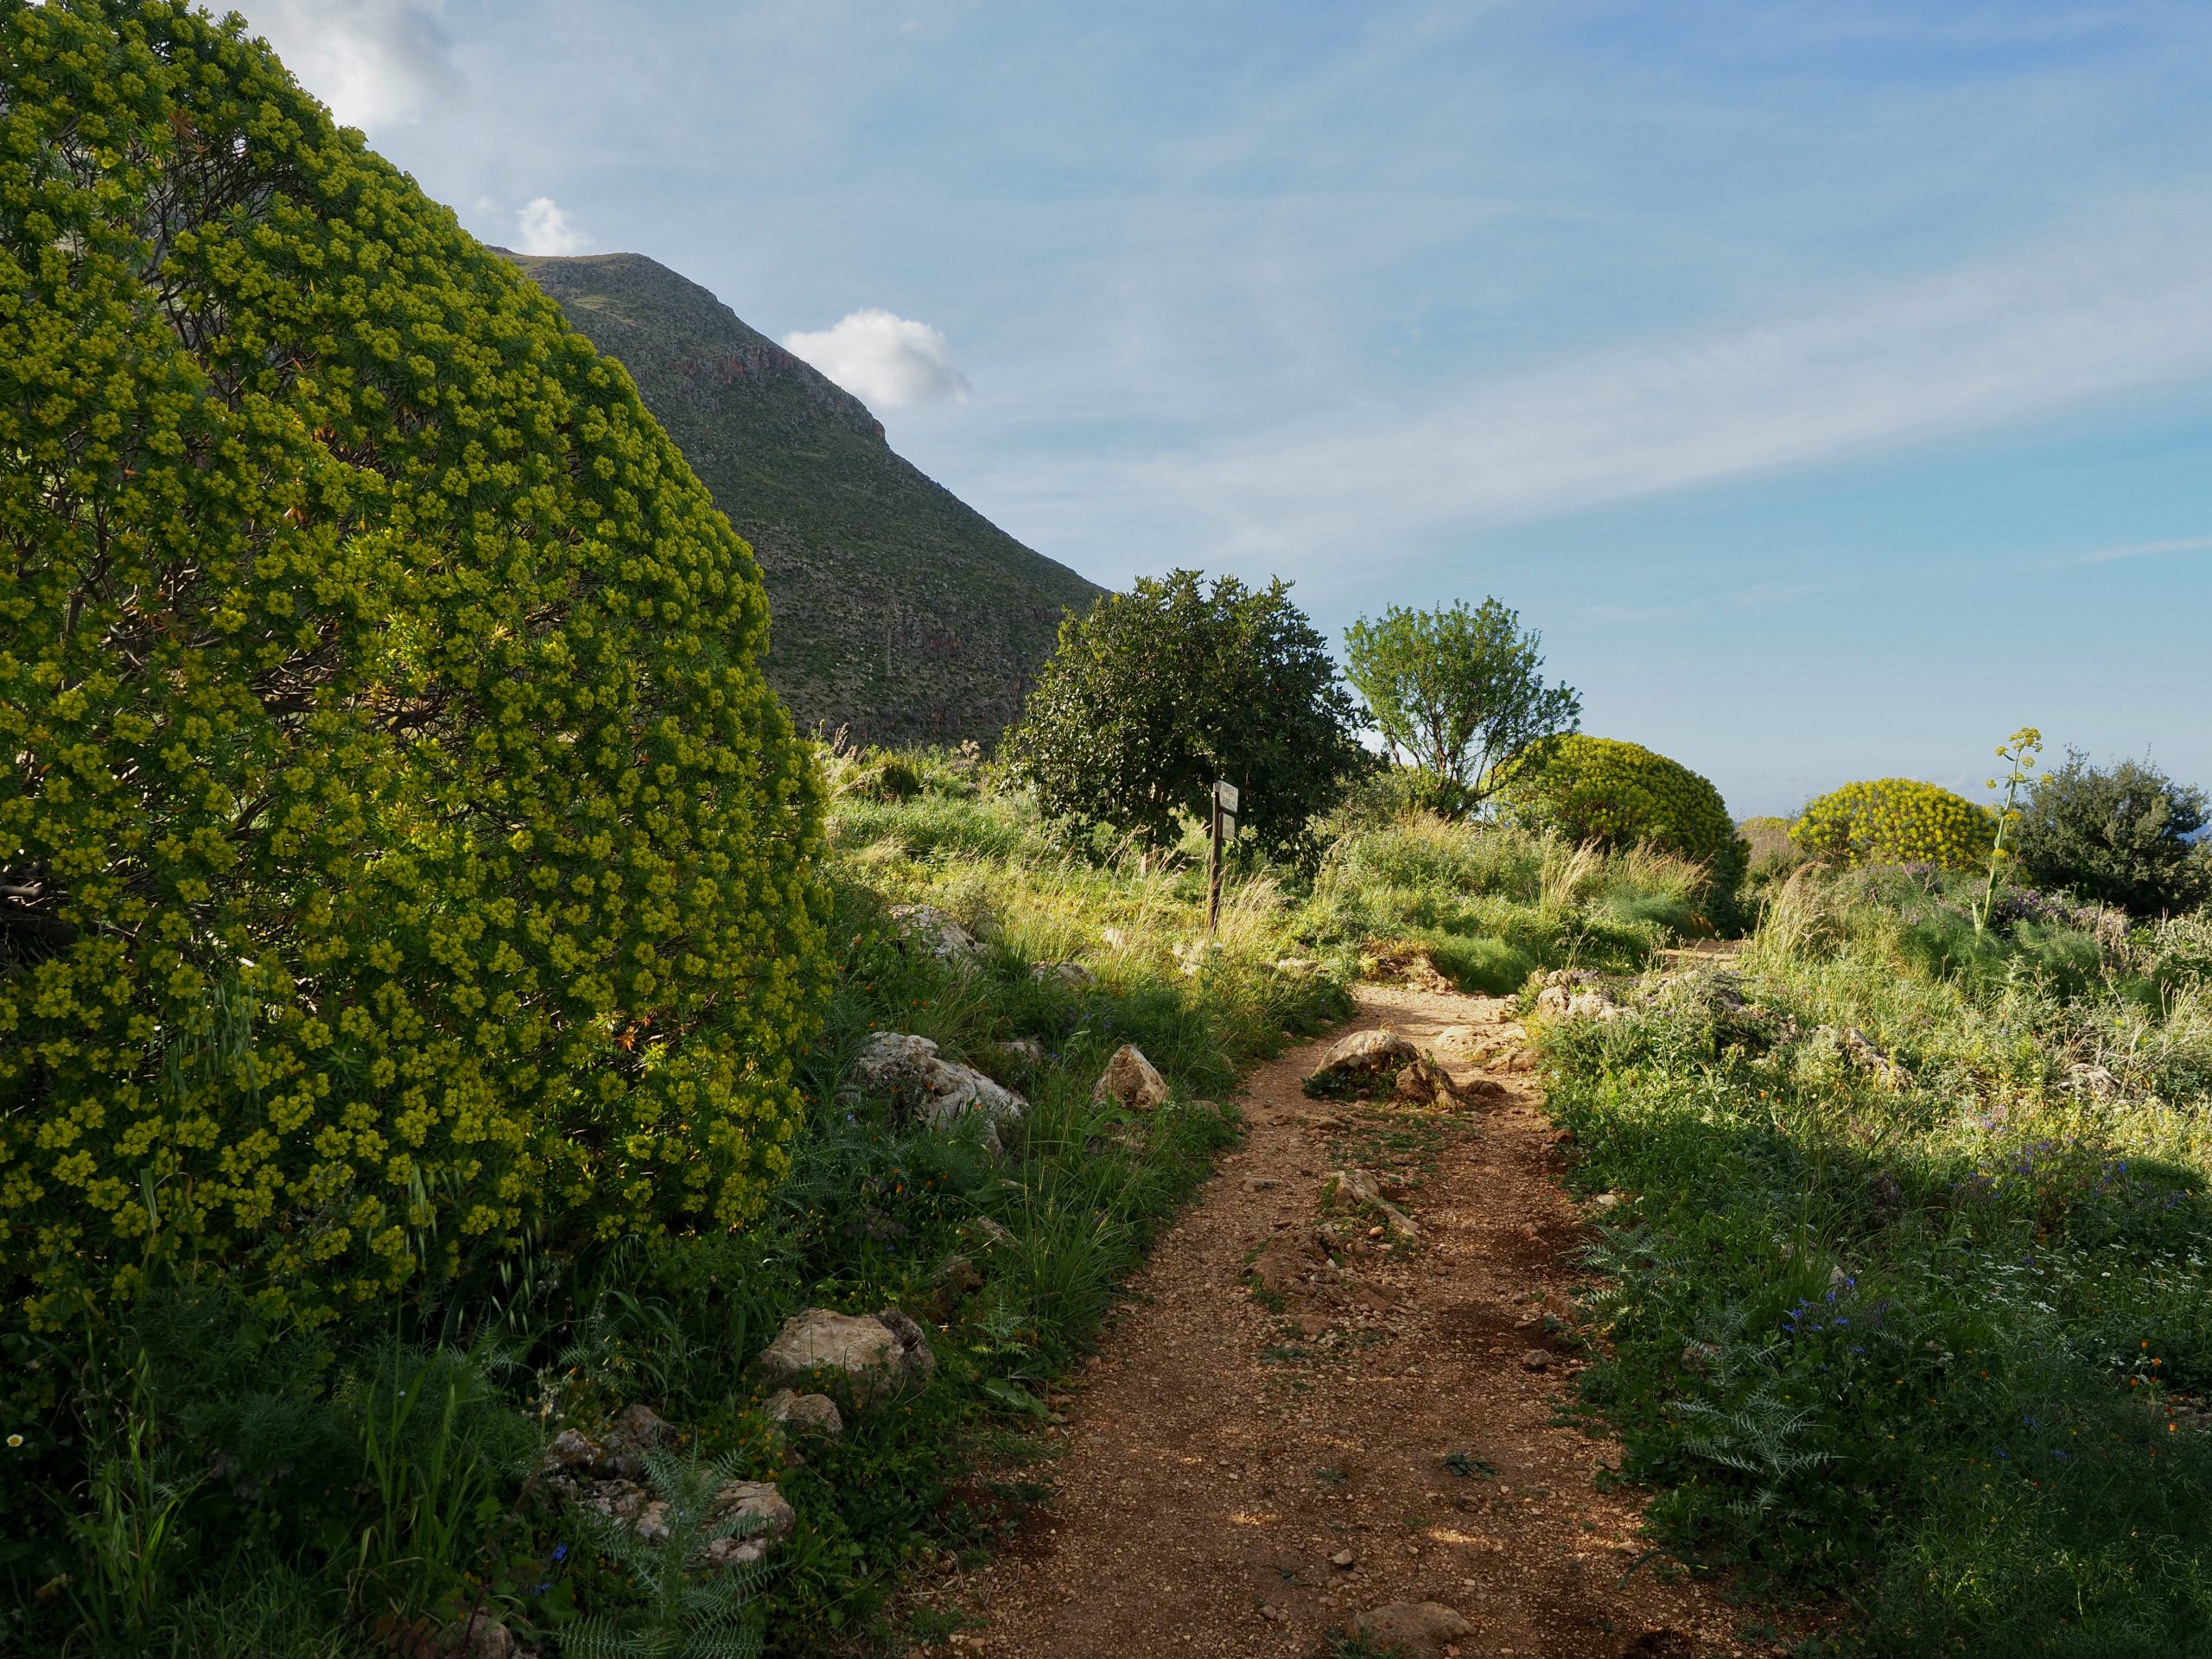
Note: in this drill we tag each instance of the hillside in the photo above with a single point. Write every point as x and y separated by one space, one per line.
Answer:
899 611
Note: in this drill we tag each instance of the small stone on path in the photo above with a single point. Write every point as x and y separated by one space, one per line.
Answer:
1358 1059
1414 1627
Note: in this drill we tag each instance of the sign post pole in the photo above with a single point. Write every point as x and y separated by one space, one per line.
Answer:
1224 826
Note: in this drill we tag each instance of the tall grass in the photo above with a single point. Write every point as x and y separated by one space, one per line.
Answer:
1492 904
1935 1342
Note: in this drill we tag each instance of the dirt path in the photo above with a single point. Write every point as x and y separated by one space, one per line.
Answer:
1244 1472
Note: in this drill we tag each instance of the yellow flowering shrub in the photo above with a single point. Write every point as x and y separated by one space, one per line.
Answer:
399 846
1895 820
1602 790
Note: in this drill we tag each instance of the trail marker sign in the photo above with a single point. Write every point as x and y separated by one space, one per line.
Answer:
1223 828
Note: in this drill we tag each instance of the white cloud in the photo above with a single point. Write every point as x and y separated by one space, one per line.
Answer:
884 360
543 226
374 62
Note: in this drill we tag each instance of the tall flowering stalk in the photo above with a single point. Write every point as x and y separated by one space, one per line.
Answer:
2018 752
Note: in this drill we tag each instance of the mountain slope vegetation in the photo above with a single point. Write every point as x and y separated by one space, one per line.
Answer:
899 611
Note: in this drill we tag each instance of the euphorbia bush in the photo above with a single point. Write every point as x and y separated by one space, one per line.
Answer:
1618 794
401 846
1895 820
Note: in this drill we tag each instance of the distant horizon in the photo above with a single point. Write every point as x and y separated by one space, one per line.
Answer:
1832 393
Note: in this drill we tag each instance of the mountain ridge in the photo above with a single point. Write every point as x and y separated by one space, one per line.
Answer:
897 611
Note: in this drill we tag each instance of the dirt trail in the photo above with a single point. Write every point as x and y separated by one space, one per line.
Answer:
1244 1472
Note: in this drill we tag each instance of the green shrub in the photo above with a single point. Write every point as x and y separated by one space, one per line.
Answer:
1616 794
1155 695
882 775
403 849
2121 837
1895 820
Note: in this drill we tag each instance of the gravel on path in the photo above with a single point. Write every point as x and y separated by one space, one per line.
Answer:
1274 1440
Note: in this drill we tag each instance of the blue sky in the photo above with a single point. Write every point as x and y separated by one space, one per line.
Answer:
1832 384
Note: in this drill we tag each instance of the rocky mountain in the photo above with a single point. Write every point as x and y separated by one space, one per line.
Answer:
899 611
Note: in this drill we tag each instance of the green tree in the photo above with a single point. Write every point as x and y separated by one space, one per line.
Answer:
400 848
1457 692
2121 836
1155 694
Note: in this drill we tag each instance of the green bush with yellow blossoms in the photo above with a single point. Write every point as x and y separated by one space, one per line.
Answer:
1895 820
401 849
1616 794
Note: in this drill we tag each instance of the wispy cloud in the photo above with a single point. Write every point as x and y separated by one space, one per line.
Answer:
2130 551
544 226
374 62
885 361
1976 349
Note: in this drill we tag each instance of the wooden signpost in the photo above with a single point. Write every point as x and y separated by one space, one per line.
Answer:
1224 830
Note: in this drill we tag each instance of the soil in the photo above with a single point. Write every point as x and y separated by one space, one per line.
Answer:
1268 1444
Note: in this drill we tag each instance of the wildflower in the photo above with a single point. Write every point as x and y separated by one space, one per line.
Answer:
14 1442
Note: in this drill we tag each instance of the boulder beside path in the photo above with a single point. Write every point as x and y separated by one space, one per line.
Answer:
875 1352
1131 1080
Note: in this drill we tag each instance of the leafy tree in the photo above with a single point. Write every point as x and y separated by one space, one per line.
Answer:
1458 692
1155 694
2121 836
400 849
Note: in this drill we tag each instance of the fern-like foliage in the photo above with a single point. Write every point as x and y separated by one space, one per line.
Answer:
688 1610
1756 1433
